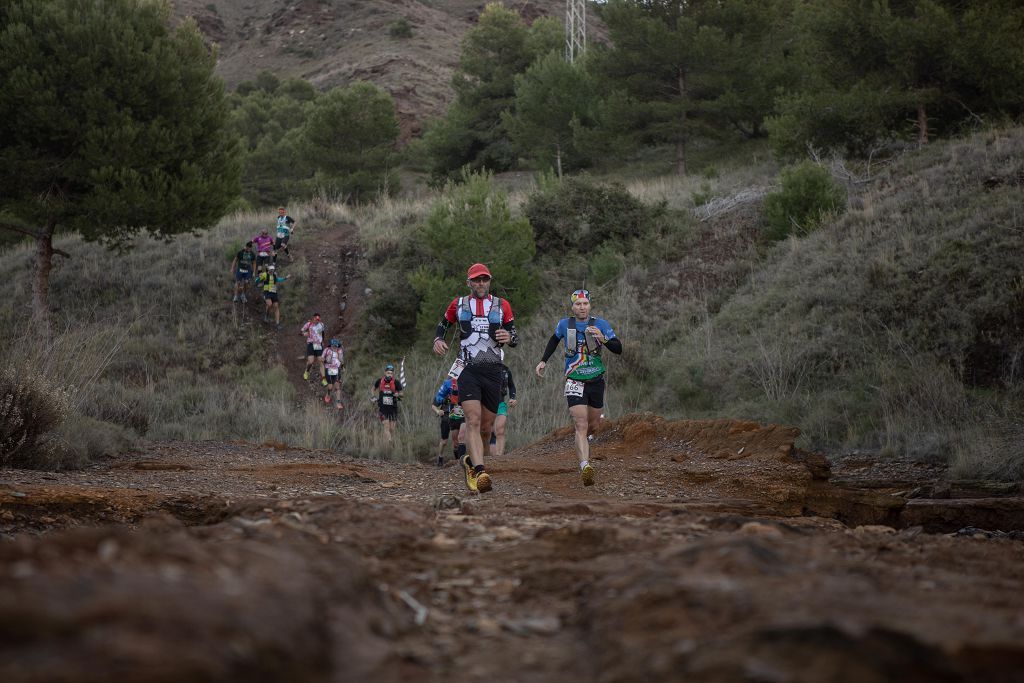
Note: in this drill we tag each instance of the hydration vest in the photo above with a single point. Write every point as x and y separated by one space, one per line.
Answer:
466 316
386 385
571 341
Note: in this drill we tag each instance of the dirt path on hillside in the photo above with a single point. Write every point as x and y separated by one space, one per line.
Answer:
335 291
707 551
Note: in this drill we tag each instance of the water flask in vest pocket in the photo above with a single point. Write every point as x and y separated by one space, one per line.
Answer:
592 344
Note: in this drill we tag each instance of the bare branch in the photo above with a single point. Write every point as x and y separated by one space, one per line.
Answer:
33 235
18 228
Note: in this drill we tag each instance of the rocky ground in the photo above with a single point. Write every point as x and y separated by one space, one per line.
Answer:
707 551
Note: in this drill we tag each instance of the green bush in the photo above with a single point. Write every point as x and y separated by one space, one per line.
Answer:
808 193
472 223
579 216
400 29
30 409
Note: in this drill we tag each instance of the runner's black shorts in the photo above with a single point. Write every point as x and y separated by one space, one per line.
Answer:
482 382
593 393
388 413
281 241
446 427
310 351
262 260
331 379
271 296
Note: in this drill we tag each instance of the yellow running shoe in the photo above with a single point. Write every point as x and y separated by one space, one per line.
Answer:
467 465
323 381
483 482
305 375
587 475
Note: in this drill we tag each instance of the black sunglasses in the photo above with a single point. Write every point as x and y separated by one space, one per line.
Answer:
482 278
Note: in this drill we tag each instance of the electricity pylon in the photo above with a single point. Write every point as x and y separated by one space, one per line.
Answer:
575 28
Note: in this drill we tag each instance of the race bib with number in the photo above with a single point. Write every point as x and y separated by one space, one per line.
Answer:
457 367
388 400
332 371
264 254
282 234
573 388
457 412
317 347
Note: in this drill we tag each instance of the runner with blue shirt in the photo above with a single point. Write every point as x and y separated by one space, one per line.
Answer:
583 338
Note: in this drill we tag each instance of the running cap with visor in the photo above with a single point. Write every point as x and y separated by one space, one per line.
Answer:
280 209
476 270
389 366
335 342
271 267
579 295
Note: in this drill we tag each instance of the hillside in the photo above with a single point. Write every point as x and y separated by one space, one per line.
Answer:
336 42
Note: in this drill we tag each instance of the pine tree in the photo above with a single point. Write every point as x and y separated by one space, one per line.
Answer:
550 96
110 124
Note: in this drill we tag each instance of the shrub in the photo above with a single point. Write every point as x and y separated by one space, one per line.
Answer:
30 408
808 193
472 223
400 29
579 216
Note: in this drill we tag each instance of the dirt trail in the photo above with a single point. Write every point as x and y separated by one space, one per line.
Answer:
707 551
335 291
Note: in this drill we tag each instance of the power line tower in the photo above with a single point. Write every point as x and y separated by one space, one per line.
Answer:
575 28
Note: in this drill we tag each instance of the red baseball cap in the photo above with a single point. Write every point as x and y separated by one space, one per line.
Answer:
476 270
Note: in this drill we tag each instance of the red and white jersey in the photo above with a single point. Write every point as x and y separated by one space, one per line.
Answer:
477 345
314 332
333 358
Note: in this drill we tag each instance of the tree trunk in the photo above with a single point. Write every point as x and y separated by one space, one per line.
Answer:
44 263
558 159
922 125
681 140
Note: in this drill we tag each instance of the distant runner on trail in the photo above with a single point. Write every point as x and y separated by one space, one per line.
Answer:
264 245
446 405
333 360
241 270
270 280
508 388
583 337
313 330
285 227
486 324
388 390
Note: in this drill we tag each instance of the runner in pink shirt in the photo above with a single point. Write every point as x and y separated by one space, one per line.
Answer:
333 359
264 245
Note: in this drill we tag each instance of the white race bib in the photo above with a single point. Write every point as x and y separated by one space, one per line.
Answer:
457 412
573 388
317 347
282 234
457 367
332 371
264 254
388 400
